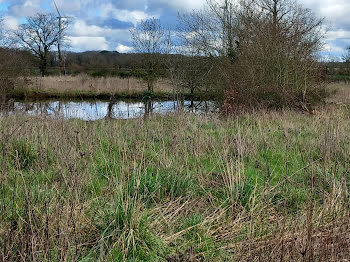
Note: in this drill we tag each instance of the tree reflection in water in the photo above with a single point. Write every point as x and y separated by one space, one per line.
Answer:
148 108
6 106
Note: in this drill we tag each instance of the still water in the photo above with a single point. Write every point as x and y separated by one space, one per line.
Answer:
95 110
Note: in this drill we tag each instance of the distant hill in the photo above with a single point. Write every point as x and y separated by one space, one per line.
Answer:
100 59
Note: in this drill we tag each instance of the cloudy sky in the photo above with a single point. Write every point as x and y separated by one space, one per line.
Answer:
105 24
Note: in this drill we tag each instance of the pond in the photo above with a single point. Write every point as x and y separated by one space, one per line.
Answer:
95 110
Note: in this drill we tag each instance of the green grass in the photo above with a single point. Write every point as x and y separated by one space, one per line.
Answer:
173 187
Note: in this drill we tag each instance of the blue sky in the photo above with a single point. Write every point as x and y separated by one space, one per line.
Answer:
105 24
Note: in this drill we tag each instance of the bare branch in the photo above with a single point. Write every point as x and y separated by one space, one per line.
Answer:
39 34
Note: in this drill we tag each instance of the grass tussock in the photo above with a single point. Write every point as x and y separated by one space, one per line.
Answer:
260 187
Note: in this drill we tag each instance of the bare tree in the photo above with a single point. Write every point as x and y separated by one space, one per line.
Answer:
149 38
210 31
346 55
278 44
190 73
39 34
265 49
209 41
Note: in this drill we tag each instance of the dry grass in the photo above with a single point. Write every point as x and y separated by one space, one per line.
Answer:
86 85
267 186
340 93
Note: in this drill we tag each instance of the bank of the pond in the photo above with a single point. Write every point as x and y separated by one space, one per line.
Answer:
35 94
266 186
86 87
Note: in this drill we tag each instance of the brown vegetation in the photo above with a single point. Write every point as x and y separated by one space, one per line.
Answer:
84 85
12 64
265 51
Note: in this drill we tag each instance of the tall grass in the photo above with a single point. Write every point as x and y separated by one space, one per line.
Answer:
267 186
84 85
340 93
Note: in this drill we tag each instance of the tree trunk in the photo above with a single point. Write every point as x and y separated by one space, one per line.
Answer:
148 108
192 87
110 110
151 77
275 18
150 85
43 67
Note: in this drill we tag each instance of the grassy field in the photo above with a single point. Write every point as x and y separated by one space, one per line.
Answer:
264 186
87 87
339 93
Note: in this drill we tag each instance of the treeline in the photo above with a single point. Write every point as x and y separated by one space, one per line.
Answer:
104 63
112 63
13 63
336 71
256 53
94 63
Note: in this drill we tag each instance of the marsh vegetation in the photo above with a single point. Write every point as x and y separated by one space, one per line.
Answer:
265 185
265 178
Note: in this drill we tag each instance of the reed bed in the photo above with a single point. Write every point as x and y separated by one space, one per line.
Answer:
264 186
86 86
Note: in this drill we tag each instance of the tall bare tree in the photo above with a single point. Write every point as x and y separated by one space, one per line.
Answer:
210 31
346 55
39 35
209 40
278 44
149 38
265 49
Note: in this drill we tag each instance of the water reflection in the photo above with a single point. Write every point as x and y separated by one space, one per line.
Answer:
94 110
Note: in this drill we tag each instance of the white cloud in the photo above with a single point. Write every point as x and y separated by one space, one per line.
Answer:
336 12
338 34
109 11
10 22
28 8
155 4
80 28
332 48
337 40
80 43
183 4
66 6
337 21
92 37
87 35
123 48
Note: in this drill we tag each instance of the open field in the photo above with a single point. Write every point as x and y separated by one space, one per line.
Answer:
84 86
339 93
265 186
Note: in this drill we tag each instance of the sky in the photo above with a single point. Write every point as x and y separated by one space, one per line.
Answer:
105 24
